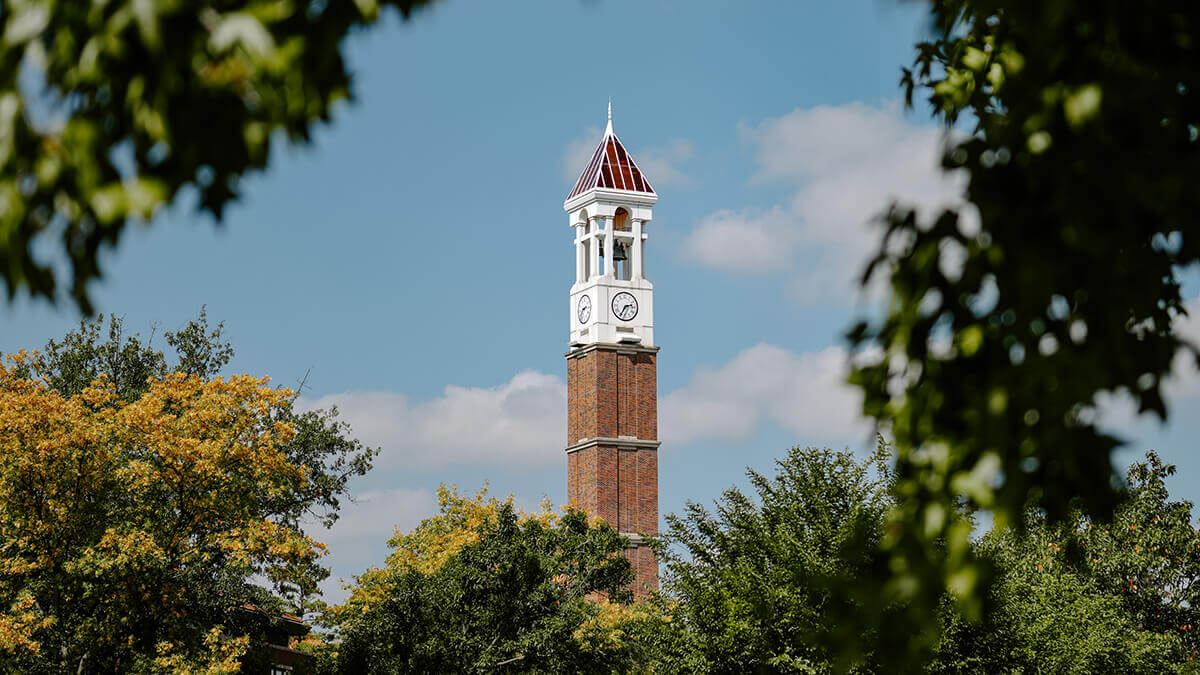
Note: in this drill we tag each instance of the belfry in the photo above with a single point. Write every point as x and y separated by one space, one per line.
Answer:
612 382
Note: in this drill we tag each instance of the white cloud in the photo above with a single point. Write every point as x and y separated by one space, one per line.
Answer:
358 539
579 152
1118 410
1185 377
803 393
745 242
660 164
521 421
847 163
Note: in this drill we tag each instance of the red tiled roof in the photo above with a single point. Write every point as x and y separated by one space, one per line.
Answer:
611 168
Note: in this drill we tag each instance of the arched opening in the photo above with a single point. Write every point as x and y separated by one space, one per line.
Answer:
621 220
622 246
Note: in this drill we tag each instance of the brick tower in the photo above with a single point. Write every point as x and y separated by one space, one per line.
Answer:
612 382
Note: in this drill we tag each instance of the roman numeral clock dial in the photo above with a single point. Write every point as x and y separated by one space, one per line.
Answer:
585 308
624 306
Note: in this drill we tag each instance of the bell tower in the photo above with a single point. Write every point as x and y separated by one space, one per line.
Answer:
612 381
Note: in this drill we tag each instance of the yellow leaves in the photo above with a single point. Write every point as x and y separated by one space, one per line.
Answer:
122 551
436 540
222 655
18 625
607 628
264 541
104 489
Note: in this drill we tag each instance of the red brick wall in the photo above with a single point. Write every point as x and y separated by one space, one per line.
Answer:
613 392
645 570
647 398
647 494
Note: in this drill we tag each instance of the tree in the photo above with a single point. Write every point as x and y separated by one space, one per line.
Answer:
483 588
1089 596
145 99
141 506
753 579
757 582
1003 333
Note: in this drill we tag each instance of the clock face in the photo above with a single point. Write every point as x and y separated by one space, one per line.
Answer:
584 311
624 306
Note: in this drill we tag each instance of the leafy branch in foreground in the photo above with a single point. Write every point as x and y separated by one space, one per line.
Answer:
138 100
1004 334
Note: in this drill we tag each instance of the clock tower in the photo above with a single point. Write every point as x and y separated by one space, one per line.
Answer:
612 382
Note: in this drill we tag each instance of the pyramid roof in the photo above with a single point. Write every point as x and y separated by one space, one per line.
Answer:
611 168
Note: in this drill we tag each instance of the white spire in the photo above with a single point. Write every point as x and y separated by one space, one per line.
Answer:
608 130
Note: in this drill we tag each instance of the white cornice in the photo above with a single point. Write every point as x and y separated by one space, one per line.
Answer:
618 443
626 347
609 195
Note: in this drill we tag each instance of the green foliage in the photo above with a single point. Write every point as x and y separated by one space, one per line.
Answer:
71 365
174 499
140 99
1089 597
1000 337
754 579
758 585
480 588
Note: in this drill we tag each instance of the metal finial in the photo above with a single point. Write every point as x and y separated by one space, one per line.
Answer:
609 130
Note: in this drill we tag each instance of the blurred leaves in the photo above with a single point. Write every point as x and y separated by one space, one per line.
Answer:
1009 321
109 109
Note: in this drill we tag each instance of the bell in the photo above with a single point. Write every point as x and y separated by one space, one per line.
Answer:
619 253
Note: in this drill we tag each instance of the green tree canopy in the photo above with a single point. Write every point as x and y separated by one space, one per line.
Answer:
1089 596
145 99
482 588
755 583
753 579
1003 334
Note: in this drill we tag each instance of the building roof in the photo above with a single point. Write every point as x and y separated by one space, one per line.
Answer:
611 168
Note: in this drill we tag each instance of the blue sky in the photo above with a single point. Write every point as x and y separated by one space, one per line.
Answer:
416 259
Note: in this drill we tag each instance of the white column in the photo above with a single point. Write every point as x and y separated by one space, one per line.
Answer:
594 245
609 245
636 253
580 252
